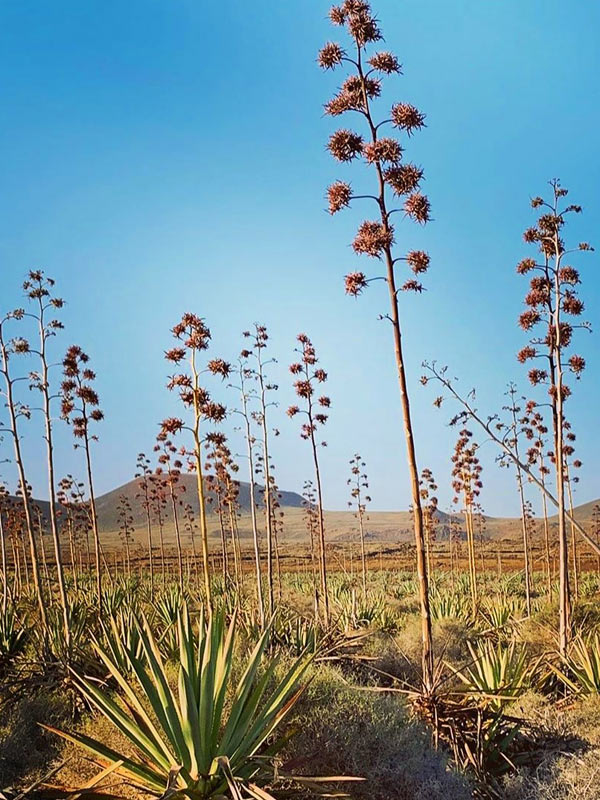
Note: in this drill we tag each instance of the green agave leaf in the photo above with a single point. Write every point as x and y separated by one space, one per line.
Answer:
109 708
151 779
145 724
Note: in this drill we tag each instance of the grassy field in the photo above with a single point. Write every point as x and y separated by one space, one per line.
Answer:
503 687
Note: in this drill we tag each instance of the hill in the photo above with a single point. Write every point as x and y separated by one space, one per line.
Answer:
108 508
381 526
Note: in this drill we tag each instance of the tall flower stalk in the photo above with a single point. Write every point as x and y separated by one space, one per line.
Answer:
553 305
38 289
277 524
376 238
466 474
311 519
358 483
536 430
429 505
80 407
172 472
125 528
514 431
595 530
158 503
225 493
570 479
3 505
18 411
189 524
259 338
193 337
76 519
309 376
247 393
143 476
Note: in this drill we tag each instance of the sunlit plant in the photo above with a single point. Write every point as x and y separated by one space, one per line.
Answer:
80 407
308 378
193 337
551 317
466 482
209 736
359 483
396 189
17 412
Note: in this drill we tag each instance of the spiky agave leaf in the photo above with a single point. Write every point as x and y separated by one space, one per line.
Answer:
581 665
186 740
497 672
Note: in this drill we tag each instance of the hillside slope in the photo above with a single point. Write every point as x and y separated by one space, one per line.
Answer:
382 526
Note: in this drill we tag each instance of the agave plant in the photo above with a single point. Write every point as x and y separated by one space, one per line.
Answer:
389 621
168 605
296 634
122 637
450 606
588 584
55 643
498 672
357 611
114 598
581 665
513 584
498 612
208 737
12 634
488 743
406 588
462 583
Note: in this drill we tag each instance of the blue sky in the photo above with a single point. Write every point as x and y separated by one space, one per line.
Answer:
163 156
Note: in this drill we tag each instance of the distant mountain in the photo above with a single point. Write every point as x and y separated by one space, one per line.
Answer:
108 504
582 513
341 525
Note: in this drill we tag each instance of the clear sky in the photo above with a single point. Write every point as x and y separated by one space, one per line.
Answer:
159 156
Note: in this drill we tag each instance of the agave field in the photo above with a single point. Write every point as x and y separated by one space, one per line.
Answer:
165 693
183 644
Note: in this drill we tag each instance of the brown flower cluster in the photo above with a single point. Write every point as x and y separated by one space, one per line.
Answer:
219 367
358 481
305 388
427 490
79 400
330 56
403 179
466 468
385 62
38 286
417 206
384 153
407 118
353 95
412 286
355 282
418 261
339 195
344 145
373 238
19 345
193 332
535 431
358 18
